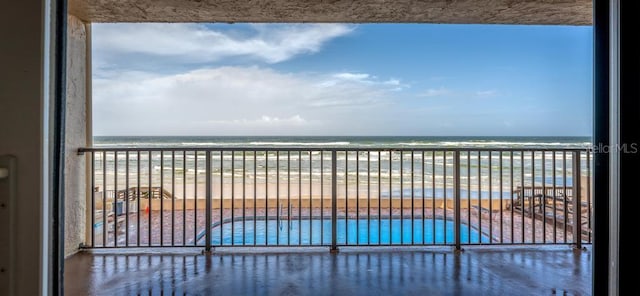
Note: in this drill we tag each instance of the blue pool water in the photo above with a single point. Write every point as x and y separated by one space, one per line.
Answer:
349 232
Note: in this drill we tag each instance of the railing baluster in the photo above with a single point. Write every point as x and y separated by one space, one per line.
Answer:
501 199
544 198
346 197
522 197
278 197
161 198
433 196
138 198
577 201
104 199
564 195
555 200
532 203
126 196
511 189
444 193
233 196
379 197
244 198
149 197
321 197
173 197
288 198
357 197
299 197
480 197
390 197
469 197
490 197
368 197
423 176
401 198
93 199
221 220
412 198
334 202
184 197
456 212
266 197
115 199
255 196
195 198
310 211
589 201
207 204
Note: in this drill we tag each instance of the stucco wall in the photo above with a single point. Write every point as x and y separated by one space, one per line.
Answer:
75 132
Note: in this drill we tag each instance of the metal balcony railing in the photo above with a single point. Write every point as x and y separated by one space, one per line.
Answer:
319 196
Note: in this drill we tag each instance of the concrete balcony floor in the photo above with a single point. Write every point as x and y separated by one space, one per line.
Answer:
496 270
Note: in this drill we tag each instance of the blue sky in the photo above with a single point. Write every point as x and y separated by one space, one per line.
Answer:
341 79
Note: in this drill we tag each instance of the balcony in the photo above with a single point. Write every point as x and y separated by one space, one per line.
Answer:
388 216
336 197
526 270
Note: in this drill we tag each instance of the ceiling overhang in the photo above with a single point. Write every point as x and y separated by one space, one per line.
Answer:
541 12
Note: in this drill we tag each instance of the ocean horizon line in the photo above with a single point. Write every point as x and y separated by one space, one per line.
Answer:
346 141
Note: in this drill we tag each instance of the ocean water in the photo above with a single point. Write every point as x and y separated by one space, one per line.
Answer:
417 174
342 141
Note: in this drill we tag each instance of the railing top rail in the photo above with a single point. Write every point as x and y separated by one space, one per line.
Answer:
331 148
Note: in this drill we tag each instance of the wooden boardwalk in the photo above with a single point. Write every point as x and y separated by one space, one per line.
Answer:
554 205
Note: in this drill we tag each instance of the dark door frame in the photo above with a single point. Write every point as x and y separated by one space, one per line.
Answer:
58 82
601 23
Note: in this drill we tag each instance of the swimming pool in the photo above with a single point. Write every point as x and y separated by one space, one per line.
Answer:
349 232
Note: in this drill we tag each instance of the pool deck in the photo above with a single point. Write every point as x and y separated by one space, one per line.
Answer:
495 270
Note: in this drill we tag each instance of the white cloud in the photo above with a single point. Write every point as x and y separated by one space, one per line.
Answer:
435 92
198 43
233 101
486 93
392 81
352 76
396 84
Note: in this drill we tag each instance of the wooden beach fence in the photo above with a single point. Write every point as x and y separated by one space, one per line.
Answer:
555 205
